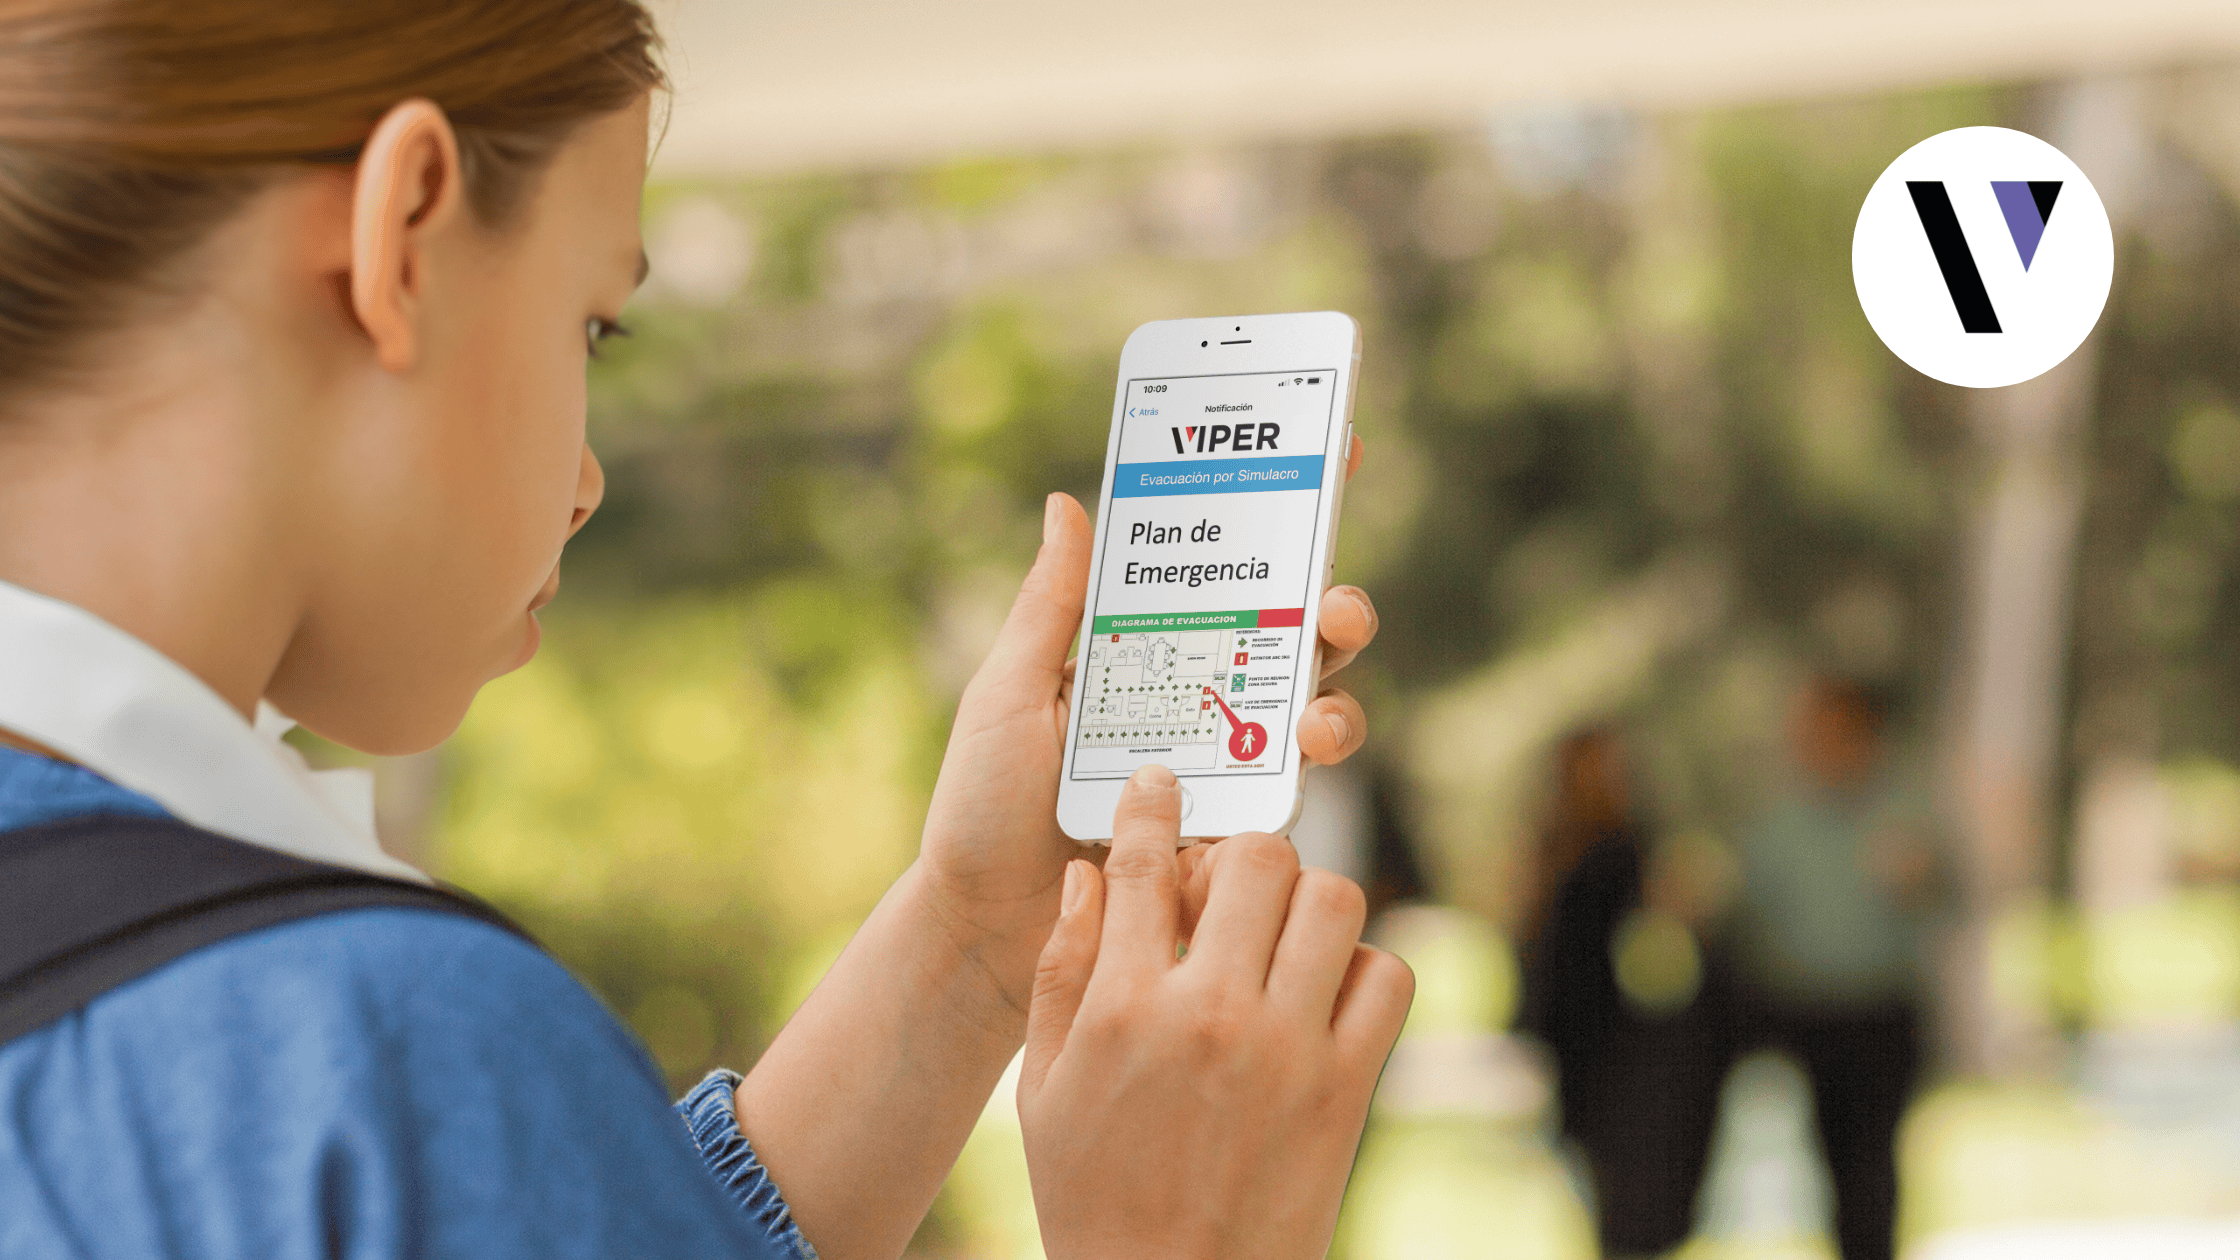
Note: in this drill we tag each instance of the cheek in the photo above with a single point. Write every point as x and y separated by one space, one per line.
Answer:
453 509
513 444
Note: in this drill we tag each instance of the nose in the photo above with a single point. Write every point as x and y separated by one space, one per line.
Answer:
591 487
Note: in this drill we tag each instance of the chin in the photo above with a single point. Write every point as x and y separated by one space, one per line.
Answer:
395 699
388 735
381 721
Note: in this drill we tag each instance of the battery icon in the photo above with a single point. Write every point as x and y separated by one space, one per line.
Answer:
1314 380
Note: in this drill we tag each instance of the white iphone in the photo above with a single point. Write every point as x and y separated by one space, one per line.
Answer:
1214 537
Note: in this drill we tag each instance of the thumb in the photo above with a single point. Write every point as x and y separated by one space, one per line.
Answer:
1062 975
1030 652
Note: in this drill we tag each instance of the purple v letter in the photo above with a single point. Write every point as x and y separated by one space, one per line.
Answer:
2027 205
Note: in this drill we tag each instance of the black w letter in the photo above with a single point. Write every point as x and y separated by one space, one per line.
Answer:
1961 279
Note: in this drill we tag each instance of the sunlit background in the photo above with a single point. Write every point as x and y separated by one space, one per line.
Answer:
1634 458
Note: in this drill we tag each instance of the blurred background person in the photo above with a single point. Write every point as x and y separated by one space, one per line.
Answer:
1836 872
1637 1049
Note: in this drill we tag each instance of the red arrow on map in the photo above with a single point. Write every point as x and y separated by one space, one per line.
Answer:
1246 739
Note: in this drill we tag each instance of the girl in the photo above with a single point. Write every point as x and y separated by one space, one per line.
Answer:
294 303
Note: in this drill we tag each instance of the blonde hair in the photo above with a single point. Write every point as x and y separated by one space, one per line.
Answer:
129 129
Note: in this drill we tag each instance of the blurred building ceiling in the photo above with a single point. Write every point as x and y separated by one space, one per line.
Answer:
764 86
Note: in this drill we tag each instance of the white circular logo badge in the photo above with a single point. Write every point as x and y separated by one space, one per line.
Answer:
1982 256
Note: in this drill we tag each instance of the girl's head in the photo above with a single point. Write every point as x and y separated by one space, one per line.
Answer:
294 305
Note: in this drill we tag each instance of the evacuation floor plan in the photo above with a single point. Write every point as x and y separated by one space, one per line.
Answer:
1149 688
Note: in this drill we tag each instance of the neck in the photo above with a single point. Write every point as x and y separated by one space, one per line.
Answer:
156 504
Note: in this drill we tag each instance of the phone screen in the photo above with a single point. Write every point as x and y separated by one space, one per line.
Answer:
1209 561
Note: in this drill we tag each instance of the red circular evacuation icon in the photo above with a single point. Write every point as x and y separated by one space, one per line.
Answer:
1247 740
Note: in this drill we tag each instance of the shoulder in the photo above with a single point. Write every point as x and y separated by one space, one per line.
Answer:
421 1083
382 1010
388 984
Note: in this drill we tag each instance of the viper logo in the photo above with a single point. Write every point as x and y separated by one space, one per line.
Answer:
1205 438
2027 206
1929 256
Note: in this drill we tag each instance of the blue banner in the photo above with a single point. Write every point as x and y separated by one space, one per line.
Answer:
1217 476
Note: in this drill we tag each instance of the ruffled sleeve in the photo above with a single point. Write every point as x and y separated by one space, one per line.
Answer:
711 1114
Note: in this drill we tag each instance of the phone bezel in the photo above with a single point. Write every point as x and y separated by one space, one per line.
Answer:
1222 805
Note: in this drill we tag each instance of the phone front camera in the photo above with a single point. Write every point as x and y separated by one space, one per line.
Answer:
1202 345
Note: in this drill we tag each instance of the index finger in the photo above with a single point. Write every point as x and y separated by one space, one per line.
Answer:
1142 878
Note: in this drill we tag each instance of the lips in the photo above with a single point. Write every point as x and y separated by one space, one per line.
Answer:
545 593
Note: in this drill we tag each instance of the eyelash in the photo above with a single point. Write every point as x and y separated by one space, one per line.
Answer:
596 330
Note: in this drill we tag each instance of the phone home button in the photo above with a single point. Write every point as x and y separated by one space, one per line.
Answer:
1186 803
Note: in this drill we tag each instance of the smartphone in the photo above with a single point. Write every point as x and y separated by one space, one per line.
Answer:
1215 529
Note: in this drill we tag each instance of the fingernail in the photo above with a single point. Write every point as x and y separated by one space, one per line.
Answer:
1071 897
1368 610
1049 516
1155 776
1339 729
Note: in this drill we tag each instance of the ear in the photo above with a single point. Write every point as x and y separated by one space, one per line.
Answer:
409 189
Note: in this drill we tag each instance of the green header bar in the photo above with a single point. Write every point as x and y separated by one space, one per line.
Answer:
1136 623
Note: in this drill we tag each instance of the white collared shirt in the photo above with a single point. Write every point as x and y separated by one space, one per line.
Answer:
78 685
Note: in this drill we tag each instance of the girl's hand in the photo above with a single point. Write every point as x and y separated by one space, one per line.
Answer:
1211 1106
992 856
